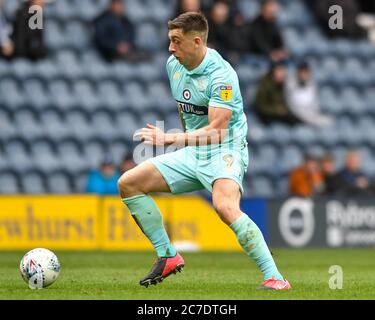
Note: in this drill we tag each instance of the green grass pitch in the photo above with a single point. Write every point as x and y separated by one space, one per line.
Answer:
212 275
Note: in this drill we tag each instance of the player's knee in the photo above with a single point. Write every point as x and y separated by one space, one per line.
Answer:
124 184
226 210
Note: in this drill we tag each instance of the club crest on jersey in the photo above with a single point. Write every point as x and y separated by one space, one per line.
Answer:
226 92
186 94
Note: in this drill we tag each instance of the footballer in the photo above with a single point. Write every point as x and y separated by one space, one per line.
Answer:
213 155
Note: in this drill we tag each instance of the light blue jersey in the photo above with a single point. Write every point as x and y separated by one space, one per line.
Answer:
214 83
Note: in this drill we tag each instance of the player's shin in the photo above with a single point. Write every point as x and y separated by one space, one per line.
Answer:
149 219
252 241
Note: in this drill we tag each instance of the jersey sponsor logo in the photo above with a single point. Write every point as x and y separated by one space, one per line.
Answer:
226 92
191 108
187 94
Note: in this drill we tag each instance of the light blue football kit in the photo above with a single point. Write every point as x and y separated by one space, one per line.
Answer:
214 83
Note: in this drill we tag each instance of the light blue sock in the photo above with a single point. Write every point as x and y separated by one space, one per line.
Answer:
149 219
252 241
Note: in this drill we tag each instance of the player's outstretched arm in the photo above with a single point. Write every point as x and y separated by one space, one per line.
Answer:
213 133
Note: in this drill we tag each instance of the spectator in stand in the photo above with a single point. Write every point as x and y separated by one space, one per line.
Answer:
114 35
306 180
6 44
28 43
188 6
353 182
350 11
127 163
104 180
264 35
331 179
270 104
302 97
226 32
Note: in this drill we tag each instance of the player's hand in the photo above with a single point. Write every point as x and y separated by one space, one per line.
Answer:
152 135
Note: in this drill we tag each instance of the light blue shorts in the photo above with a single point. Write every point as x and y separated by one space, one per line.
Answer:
189 169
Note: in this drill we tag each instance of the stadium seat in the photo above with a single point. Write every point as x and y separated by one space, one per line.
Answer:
262 187
110 95
134 94
59 182
148 37
7 129
8 183
118 149
10 93
61 95
85 95
94 150
79 125
33 182
27 124
70 155
44 156
53 124
36 94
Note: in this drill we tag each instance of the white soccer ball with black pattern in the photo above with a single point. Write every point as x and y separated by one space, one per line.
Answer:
39 268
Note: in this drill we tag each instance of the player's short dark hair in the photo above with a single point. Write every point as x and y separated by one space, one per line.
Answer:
190 22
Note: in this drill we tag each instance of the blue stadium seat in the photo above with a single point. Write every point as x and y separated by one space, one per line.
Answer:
303 135
148 37
262 187
134 94
53 124
173 121
58 182
291 156
21 68
162 11
104 125
127 123
70 155
44 156
352 101
94 150
118 149
33 182
17 154
10 93
136 11
36 94
78 35
27 124
330 100
110 95
280 134
8 183
328 136
61 94
7 129
86 95
161 96
55 34
78 124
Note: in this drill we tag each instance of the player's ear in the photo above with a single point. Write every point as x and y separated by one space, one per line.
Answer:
197 41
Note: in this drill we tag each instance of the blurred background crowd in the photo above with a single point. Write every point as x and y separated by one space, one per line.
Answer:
73 93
